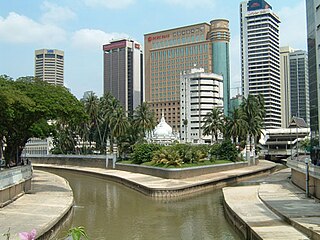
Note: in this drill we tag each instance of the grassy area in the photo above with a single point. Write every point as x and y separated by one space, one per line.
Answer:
185 165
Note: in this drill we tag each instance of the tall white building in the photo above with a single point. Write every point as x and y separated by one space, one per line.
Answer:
285 85
200 92
123 72
49 66
260 57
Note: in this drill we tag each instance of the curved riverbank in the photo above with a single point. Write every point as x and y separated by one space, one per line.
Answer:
167 188
45 208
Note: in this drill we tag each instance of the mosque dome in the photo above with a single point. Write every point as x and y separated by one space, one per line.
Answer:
163 129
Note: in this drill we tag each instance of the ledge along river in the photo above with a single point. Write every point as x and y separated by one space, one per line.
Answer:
112 211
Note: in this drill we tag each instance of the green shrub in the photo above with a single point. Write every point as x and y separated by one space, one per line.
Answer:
143 152
167 156
224 151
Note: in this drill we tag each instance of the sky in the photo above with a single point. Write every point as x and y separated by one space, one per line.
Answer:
81 27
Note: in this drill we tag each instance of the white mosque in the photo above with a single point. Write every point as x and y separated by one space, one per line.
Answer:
162 134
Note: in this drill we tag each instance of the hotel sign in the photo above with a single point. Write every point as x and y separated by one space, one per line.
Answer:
258 12
158 37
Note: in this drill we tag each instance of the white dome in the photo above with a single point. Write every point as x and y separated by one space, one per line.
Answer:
163 129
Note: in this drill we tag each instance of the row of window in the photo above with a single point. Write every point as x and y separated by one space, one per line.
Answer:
179 52
178 41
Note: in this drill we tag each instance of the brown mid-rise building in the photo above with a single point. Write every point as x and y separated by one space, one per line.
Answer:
170 53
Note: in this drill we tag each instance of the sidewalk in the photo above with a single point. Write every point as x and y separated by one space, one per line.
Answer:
275 209
50 199
160 187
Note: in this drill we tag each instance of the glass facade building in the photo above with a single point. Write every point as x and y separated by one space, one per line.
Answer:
123 72
171 53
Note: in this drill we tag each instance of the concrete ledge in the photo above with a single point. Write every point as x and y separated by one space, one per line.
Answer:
168 188
46 208
14 182
75 160
298 176
179 173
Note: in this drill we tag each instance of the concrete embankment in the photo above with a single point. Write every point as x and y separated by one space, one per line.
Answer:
45 208
275 209
167 188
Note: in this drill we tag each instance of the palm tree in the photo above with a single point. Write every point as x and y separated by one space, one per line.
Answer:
235 125
144 118
118 125
213 123
253 112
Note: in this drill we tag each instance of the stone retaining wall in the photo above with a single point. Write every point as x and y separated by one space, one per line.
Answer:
74 160
298 176
14 182
178 173
168 173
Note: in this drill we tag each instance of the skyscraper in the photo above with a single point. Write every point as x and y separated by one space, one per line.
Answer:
294 85
313 31
173 52
260 57
285 85
49 66
123 72
299 85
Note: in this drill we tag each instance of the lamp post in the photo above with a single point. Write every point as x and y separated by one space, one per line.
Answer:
306 160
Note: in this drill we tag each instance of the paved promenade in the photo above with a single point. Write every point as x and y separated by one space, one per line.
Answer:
49 200
275 209
156 186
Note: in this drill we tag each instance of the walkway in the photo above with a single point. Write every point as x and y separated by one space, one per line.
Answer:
49 200
156 186
275 209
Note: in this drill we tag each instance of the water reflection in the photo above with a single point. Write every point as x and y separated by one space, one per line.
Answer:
111 211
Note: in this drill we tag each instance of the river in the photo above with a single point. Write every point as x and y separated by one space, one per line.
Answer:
112 211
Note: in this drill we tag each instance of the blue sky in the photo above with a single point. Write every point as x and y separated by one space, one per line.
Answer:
81 27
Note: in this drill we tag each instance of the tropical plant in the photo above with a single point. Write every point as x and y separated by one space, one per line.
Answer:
235 125
78 233
253 112
224 151
144 118
143 152
213 124
167 157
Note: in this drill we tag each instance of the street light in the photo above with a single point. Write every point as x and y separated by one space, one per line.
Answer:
306 160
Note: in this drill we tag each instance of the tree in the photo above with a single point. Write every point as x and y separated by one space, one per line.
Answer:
213 123
26 107
235 125
144 118
253 112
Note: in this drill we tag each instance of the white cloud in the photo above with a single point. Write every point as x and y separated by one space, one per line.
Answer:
56 14
293 26
93 38
191 3
111 4
21 29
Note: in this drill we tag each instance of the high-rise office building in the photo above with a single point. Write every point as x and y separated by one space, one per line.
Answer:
49 66
313 33
294 85
299 85
173 52
123 72
260 57
285 85
200 92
